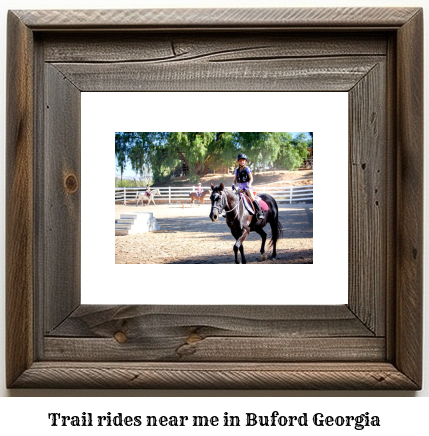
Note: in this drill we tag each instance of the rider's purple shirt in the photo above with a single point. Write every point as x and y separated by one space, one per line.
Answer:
244 185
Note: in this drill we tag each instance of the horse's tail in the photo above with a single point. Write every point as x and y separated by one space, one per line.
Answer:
276 232
276 226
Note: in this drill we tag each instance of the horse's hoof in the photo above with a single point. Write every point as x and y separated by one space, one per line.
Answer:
264 256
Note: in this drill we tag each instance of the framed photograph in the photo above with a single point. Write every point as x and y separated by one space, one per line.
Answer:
373 341
188 243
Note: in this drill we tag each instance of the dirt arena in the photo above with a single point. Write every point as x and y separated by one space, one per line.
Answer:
188 236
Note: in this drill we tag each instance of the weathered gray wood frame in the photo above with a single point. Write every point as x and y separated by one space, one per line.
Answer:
374 342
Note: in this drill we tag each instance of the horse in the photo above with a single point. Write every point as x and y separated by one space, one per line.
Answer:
150 198
242 222
194 197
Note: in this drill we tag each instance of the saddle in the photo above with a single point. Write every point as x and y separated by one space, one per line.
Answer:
248 203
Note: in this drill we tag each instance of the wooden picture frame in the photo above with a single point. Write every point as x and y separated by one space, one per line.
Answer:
373 342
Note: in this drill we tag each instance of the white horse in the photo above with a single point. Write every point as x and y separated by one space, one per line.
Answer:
150 198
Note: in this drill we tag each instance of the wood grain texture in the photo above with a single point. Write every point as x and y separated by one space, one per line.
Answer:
330 74
61 208
229 62
19 200
341 376
99 321
368 202
409 273
209 47
189 347
217 18
193 348
213 333
391 192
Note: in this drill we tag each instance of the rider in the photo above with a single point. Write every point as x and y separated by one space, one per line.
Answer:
199 190
243 175
148 191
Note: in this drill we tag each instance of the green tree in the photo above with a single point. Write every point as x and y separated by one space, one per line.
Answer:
121 151
293 151
139 154
163 158
192 148
222 150
261 148
158 153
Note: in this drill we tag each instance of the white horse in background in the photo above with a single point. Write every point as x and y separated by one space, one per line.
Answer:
150 198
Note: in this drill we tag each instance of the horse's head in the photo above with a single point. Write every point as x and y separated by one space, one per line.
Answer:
217 200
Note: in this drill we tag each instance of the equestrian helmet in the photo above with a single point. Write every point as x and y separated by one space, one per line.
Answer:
241 156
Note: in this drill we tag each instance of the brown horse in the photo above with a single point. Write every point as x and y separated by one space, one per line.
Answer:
194 197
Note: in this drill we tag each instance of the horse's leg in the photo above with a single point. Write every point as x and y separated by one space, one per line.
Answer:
262 233
274 255
235 248
243 259
239 246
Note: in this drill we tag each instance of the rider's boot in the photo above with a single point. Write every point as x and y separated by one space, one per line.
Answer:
259 213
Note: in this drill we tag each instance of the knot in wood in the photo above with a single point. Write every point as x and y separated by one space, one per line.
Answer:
120 337
71 183
193 337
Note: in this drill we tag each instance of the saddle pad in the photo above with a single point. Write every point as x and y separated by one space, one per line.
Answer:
264 206
249 206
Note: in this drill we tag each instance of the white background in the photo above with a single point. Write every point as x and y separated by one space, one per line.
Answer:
394 415
324 113
400 413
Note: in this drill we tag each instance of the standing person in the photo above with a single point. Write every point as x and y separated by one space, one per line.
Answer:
243 175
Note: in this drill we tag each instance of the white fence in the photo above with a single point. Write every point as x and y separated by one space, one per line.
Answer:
283 194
